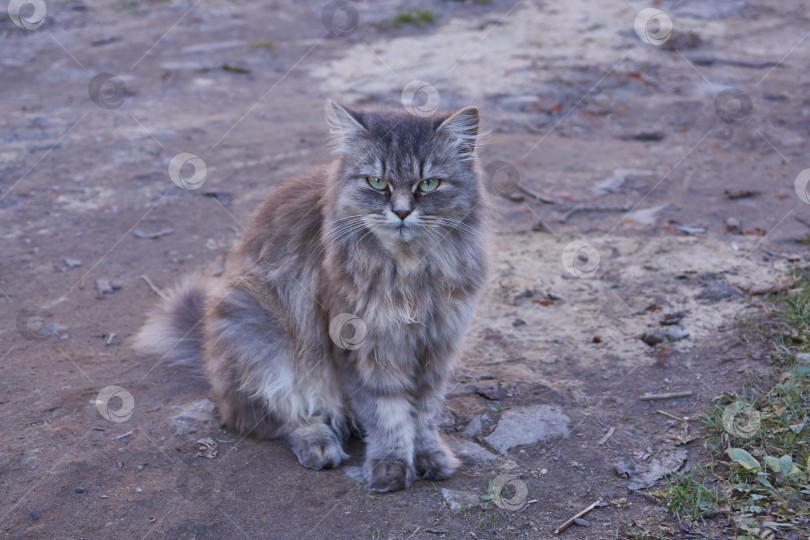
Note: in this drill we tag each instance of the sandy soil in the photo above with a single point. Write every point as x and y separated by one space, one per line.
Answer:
581 113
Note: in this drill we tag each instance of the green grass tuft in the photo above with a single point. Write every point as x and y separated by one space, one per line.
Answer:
417 18
688 495
761 439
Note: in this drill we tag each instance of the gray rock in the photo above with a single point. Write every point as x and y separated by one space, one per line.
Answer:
196 416
691 230
355 472
203 410
643 475
470 452
733 225
673 333
459 499
528 425
717 292
625 467
213 47
72 263
56 330
673 318
104 286
480 426
491 391
447 420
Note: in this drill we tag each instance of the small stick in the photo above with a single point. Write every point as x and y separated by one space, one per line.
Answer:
534 195
154 287
570 522
678 418
608 435
127 434
710 60
110 338
670 395
576 209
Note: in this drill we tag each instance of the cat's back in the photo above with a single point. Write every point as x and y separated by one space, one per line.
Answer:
289 221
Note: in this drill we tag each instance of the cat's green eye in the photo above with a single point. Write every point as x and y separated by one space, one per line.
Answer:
426 186
377 183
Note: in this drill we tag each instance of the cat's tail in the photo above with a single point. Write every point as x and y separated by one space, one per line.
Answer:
174 329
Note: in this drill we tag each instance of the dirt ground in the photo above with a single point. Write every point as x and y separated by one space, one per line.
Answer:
682 151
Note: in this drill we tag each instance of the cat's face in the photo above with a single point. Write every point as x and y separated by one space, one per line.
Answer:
404 178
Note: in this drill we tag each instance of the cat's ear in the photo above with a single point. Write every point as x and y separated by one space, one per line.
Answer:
345 126
462 127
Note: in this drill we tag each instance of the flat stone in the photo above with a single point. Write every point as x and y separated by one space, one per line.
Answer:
203 410
355 472
717 292
645 474
196 416
479 426
673 333
459 499
528 425
470 452
212 47
104 286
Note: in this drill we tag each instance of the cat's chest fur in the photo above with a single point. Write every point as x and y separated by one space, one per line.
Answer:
407 303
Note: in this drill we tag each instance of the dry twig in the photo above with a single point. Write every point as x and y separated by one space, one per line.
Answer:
678 418
154 287
670 395
608 435
570 521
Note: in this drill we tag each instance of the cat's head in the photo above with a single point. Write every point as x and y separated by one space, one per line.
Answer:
405 178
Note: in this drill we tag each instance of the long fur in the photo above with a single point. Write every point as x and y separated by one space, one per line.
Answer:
330 244
173 330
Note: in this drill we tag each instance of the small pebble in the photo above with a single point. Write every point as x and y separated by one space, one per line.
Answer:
103 285
34 516
72 263
733 225
518 322
79 490
543 471
138 490
582 522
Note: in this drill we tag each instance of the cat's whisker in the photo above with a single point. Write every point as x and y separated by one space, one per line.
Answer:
452 223
339 231
339 235
326 224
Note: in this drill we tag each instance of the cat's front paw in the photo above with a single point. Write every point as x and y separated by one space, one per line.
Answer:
317 447
436 465
388 474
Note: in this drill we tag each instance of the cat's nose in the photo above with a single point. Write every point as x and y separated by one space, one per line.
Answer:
402 213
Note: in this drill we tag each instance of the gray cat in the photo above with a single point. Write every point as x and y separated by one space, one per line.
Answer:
388 242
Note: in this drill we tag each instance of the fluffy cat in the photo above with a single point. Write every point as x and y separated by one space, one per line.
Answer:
387 242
